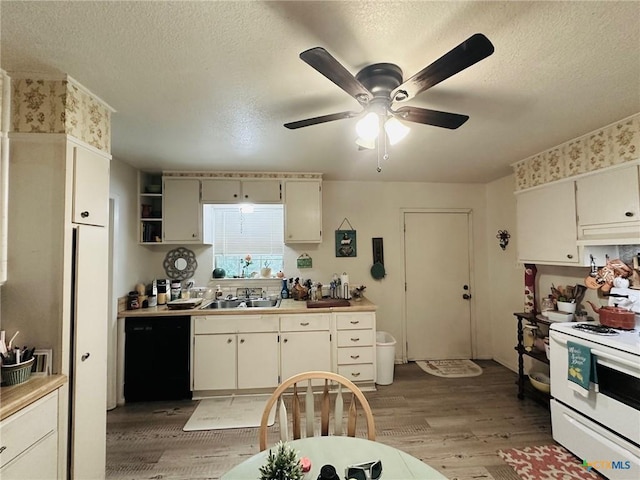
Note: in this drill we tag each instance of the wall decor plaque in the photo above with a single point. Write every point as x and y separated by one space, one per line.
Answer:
346 245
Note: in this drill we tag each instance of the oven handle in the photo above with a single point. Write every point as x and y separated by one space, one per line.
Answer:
598 353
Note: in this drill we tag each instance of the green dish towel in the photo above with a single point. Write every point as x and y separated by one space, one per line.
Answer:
581 368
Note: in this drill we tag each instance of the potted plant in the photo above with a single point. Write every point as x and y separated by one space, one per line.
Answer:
265 271
283 464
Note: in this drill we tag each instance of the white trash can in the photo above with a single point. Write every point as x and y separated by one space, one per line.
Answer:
385 357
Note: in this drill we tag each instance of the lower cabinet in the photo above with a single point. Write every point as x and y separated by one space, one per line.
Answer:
29 441
305 343
235 352
356 345
242 352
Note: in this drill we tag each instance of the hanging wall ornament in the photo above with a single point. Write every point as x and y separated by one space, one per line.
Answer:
346 241
530 271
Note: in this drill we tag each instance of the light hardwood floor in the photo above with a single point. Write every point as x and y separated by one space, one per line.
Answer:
456 425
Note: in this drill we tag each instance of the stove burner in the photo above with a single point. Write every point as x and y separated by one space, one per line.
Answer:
596 329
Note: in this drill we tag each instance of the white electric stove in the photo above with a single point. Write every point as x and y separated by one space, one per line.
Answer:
601 424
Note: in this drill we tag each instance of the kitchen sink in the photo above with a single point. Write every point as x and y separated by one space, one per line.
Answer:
238 303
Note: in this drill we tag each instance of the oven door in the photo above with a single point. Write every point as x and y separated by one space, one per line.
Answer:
617 404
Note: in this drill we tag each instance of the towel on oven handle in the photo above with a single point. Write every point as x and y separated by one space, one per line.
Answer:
582 373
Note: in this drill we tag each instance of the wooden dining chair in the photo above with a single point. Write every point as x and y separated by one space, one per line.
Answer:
332 381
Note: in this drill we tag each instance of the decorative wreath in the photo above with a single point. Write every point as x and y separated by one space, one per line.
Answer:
171 260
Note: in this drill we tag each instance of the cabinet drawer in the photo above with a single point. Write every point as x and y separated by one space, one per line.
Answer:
25 427
350 355
357 373
354 321
355 338
234 324
300 323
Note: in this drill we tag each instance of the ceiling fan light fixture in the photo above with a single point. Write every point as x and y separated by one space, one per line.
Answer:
368 127
369 144
396 130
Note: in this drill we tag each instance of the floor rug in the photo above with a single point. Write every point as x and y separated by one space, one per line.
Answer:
450 368
547 462
236 411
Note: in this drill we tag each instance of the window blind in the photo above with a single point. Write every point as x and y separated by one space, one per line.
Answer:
260 232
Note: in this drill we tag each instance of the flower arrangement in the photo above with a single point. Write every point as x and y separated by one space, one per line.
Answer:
284 464
244 264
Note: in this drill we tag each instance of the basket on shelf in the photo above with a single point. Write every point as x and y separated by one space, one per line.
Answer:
18 373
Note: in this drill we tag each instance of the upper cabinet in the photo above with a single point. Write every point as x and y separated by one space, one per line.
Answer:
546 218
182 211
241 191
608 206
90 187
303 211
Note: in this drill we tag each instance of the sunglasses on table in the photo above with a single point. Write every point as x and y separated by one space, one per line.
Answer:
364 471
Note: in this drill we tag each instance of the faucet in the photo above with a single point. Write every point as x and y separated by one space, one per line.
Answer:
247 293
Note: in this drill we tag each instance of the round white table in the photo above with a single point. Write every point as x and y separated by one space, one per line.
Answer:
340 452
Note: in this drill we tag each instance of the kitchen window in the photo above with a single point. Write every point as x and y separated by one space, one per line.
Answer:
241 230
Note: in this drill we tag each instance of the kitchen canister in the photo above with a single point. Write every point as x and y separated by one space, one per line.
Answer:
175 290
133 300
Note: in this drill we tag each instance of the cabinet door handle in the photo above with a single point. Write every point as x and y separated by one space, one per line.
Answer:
2 448
242 340
194 235
84 214
285 340
355 374
304 324
355 357
569 256
354 322
357 339
85 356
235 195
229 340
628 214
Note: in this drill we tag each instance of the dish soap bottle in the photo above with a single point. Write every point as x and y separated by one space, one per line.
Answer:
284 293
218 292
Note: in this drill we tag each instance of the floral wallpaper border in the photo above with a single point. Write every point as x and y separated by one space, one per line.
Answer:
612 145
60 106
266 175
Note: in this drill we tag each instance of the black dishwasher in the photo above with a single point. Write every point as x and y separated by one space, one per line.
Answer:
156 358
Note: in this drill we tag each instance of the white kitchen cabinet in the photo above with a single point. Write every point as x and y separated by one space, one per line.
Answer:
547 226
303 211
608 205
214 362
258 360
90 187
29 441
305 343
70 315
235 352
356 332
182 211
241 191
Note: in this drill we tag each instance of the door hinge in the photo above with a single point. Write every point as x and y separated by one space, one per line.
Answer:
278 341
405 286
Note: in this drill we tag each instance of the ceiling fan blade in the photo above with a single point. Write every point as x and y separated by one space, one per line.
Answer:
328 66
430 117
323 119
469 52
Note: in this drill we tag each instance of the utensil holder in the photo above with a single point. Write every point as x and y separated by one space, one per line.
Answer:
18 373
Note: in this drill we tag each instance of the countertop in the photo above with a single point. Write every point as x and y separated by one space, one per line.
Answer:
16 397
287 306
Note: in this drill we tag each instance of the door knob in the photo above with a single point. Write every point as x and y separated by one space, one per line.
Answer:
84 214
466 296
85 356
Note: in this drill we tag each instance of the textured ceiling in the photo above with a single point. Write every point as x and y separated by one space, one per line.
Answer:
207 85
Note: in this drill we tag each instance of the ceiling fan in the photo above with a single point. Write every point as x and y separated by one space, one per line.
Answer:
380 86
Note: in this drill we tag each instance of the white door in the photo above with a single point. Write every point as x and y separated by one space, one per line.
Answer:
89 368
438 318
